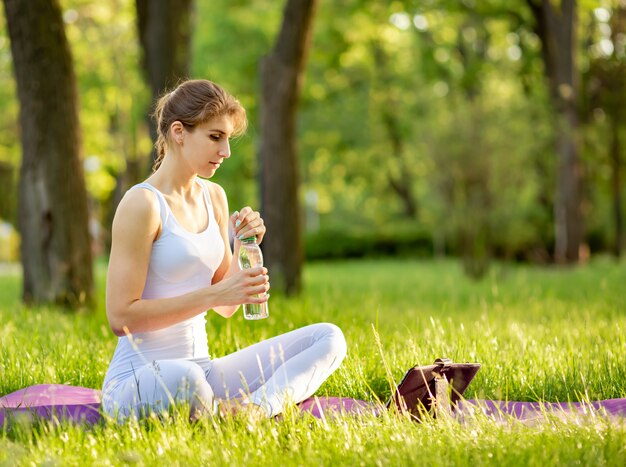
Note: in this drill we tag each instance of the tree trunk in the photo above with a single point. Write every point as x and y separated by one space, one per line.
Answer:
53 217
132 175
557 32
7 200
281 76
165 35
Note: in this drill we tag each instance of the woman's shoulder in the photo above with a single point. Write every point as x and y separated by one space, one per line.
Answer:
139 206
218 195
213 188
218 199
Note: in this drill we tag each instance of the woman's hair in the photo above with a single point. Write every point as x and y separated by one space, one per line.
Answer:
193 103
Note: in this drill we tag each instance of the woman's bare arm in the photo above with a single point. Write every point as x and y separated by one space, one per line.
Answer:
228 267
136 225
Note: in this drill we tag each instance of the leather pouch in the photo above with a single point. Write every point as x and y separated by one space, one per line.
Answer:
433 389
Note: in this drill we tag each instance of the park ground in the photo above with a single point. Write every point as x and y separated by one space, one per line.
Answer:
553 334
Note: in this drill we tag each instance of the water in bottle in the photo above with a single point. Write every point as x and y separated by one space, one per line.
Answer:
250 256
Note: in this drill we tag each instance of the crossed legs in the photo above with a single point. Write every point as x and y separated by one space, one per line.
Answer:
288 367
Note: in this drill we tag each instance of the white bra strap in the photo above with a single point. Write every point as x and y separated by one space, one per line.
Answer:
207 197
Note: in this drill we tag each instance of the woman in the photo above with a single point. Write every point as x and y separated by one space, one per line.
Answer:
171 261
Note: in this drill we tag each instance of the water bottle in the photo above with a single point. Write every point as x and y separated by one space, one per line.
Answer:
250 256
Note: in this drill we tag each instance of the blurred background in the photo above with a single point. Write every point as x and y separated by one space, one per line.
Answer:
482 130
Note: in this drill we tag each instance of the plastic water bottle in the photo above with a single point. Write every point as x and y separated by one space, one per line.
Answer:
250 256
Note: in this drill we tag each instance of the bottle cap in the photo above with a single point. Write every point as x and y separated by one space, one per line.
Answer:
249 239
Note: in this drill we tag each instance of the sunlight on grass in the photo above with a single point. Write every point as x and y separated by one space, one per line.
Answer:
541 334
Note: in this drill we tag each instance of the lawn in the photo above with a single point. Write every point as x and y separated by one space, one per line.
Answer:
541 334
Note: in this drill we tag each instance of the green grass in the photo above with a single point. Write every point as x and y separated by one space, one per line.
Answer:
541 334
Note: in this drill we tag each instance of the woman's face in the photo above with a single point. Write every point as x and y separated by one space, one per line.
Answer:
206 146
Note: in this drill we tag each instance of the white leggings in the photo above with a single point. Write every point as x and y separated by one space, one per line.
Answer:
289 367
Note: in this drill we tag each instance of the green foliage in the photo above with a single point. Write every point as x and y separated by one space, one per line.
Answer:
447 97
9 126
9 244
406 241
113 97
228 44
541 334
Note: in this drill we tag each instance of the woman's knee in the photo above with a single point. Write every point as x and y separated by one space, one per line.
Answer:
333 335
184 380
198 392
159 384
193 383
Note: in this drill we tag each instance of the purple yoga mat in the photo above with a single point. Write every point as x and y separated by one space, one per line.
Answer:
501 410
498 410
52 400
322 407
82 405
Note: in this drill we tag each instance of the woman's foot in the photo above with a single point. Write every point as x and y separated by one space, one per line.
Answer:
241 409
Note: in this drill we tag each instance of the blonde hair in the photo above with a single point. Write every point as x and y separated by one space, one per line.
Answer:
193 103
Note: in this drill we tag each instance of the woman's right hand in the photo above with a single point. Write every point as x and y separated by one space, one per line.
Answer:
243 286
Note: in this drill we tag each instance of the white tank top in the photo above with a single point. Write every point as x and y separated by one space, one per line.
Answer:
181 262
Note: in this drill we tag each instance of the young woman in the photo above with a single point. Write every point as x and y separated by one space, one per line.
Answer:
171 261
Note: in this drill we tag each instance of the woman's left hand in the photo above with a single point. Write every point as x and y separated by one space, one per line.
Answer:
247 223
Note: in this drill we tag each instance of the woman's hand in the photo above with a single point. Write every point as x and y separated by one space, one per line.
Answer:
245 286
247 223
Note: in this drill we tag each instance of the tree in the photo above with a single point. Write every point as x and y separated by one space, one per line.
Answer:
556 28
281 80
7 201
165 36
53 218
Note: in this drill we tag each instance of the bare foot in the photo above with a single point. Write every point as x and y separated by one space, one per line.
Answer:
241 409
252 412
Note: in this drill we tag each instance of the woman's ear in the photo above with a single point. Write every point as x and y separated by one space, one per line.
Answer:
177 131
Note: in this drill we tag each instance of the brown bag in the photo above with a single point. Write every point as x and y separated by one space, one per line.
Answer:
433 389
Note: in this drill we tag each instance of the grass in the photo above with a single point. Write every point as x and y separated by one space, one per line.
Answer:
541 334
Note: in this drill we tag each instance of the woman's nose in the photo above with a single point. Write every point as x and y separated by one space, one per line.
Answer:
224 150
